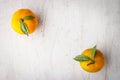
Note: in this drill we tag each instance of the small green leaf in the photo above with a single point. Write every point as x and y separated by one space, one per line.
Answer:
81 58
93 51
24 27
28 17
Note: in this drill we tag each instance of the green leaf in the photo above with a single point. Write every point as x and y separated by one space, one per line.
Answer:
81 58
28 17
93 51
24 27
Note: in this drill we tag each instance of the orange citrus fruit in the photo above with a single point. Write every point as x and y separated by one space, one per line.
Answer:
24 21
99 61
89 63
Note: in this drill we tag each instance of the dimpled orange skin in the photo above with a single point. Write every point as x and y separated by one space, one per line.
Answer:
99 61
31 24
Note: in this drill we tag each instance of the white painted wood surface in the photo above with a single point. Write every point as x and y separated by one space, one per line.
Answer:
66 28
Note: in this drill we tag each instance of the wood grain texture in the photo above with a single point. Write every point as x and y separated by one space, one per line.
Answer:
66 28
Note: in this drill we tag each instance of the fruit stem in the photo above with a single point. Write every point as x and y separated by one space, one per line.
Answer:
92 62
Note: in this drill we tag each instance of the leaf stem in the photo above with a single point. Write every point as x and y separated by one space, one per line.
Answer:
91 62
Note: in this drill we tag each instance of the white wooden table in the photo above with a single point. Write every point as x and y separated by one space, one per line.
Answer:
66 28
